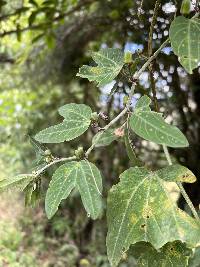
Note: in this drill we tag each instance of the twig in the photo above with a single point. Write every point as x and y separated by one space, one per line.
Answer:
153 22
183 192
55 161
135 78
104 129
122 113
150 51
146 64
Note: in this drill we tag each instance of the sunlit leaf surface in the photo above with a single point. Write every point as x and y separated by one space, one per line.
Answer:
151 126
109 63
140 209
76 122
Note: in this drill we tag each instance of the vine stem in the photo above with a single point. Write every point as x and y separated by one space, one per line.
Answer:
183 192
122 113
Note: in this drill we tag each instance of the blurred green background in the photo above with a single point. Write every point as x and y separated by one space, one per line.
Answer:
43 43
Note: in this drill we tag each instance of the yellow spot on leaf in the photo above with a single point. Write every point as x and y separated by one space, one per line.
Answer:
147 212
188 177
96 70
133 218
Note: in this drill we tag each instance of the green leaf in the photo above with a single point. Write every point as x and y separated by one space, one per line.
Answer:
143 104
85 177
185 7
174 254
151 126
140 209
2 3
32 193
129 149
184 36
32 17
38 37
38 148
40 152
194 261
113 90
104 138
75 112
18 182
33 2
176 173
76 122
110 62
28 194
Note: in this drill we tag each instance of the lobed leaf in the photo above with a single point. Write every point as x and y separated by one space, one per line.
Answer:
185 41
85 177
151 126
110 62
140 209
77 119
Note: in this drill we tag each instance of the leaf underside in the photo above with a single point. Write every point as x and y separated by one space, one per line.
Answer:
18 182
140 209
109 63
85 177
76 121
104 138
185 41
151 126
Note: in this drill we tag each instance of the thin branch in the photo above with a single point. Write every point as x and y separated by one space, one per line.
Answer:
150 51
104 129
135 77
55 161
147 63
182 190
153 22
110 124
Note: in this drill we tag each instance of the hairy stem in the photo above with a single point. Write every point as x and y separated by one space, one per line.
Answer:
183 192
55 161
106 128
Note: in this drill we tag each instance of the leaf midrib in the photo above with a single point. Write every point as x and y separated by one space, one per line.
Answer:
160 129
124 216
